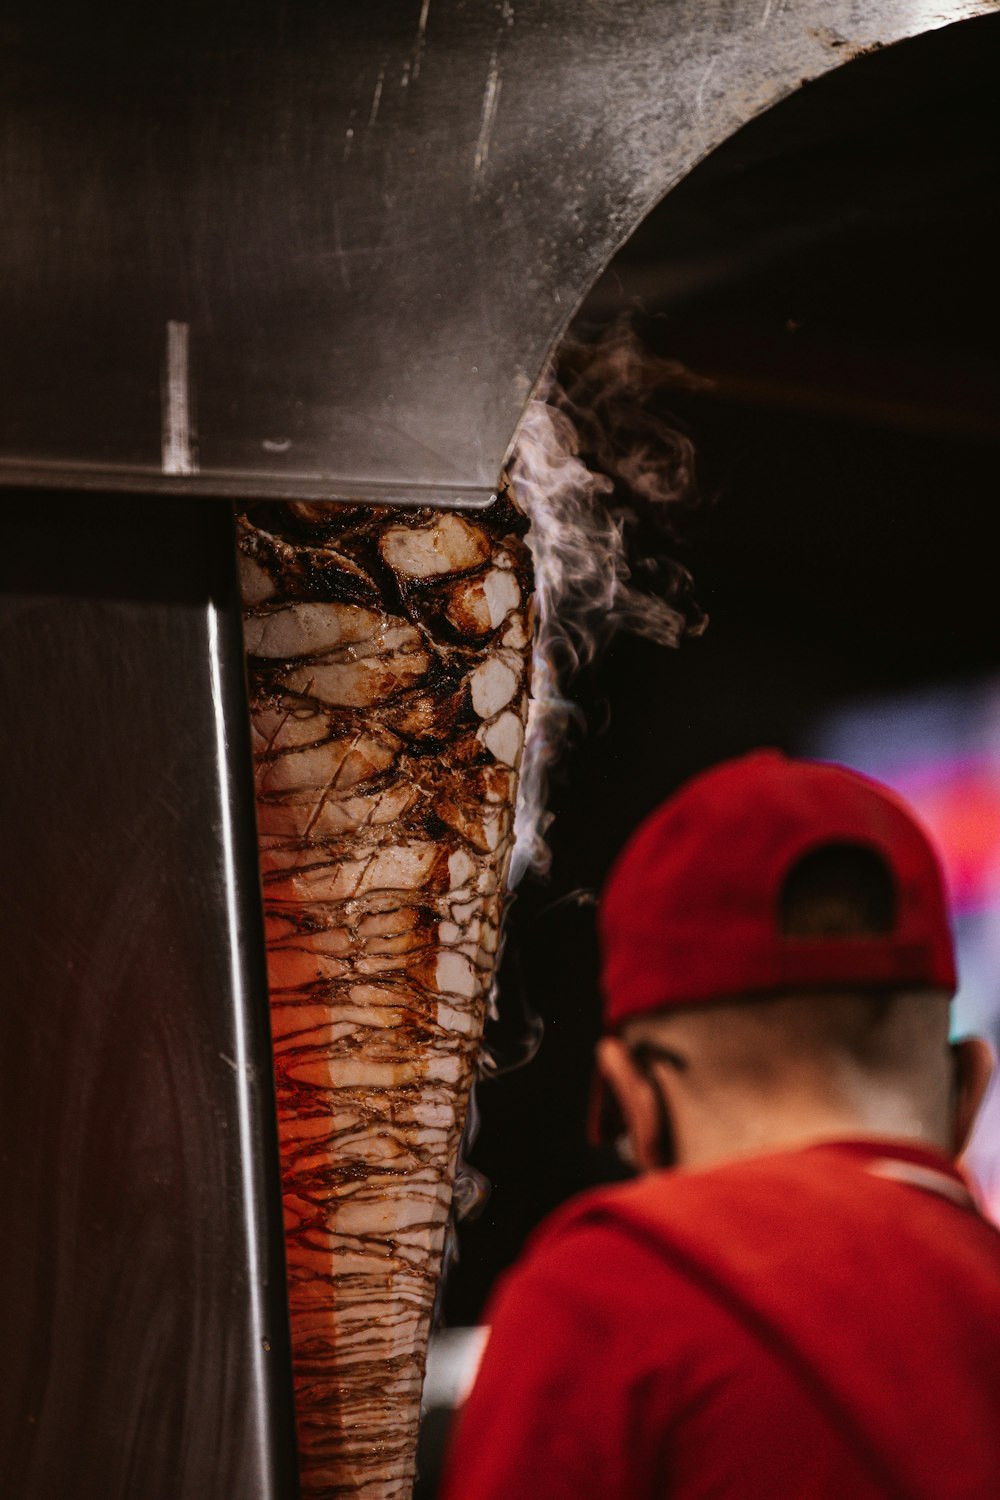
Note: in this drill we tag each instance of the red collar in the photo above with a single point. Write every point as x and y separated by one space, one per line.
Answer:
907 1161
869 1146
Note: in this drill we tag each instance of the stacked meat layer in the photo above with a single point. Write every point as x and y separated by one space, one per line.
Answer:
389 656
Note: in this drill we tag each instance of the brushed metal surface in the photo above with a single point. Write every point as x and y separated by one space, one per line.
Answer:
142 1294
370 222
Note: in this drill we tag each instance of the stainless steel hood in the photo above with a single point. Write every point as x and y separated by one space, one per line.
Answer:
294 248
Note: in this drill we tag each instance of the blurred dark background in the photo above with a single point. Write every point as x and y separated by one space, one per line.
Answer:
832 272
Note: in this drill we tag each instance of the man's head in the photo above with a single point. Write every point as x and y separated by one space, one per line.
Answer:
777 967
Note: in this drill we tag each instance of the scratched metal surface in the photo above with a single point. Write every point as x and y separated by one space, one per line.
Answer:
366 223
142 1294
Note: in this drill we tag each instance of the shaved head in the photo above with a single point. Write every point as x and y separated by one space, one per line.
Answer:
750 1068
818 1042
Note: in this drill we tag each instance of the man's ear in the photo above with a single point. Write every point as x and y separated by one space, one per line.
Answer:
634 1096
973 1062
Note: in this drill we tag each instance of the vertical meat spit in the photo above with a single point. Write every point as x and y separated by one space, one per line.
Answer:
389 656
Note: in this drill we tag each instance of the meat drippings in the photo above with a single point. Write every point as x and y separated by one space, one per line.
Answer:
388 656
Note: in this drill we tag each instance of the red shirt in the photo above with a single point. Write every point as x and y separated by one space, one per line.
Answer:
796 1325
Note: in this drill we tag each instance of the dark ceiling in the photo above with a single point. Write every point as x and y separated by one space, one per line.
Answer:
838 254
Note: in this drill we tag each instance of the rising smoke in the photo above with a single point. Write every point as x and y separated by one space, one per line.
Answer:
604 477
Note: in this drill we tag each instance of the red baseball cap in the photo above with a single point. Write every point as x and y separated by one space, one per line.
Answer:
691 912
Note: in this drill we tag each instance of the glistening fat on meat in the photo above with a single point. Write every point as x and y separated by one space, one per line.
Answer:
389 658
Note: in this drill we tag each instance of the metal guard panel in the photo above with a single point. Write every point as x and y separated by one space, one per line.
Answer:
142 1280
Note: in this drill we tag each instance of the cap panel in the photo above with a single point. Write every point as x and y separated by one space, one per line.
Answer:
691 910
